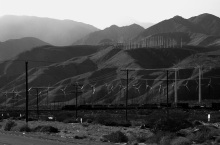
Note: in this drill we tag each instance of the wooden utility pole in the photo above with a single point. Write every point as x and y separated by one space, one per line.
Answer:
167 87
175 88
200 93
167 94
77 91
26 75
37 94
5 100
126 100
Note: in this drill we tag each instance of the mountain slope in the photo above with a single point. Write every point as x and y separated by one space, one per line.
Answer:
11 48
102 68
44 56
55 32
175 24
208 22
113 33
202 30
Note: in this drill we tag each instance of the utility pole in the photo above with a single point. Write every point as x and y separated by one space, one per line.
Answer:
175 88
13 92
200 93
26 75
37 94
167 87
47 101
13 98
76 85
5 93
167 94
126 100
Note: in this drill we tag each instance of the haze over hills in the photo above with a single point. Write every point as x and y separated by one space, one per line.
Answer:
205 24
112 33
44 55
102 67
13 47
99 68
84 68
55 32
209 22
202 30
175 24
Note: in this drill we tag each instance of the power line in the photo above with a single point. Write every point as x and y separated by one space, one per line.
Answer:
22 60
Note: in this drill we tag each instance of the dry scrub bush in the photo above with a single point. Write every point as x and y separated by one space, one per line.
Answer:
46 129
204 133
137 137
25 128
180 141
166 140
9 125
116 137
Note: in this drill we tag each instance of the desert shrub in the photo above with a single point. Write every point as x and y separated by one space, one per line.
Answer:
46 129
8 125
116 137
181 141
155 138
177 117
70 120
85 124
137 137
25 128
80 136
169 124
204 133
103 118
136 123
166 140
89 121
144 112
108 120
63 116
123 123
217 140
154 116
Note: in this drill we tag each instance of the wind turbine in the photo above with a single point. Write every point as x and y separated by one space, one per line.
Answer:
210 86
186 85
64 93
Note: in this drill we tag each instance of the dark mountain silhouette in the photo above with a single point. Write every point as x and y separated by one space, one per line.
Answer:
55 32
209 22
99 66
43 56
11 48
114 33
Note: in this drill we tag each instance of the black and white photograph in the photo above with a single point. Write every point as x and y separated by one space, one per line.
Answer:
109 72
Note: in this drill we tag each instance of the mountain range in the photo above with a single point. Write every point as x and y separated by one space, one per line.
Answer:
202 30
13 47
53 31
100 69
112 33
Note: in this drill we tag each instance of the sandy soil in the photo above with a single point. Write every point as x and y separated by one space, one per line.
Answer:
71 132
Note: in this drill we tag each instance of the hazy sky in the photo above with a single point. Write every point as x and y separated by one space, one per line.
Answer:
103 13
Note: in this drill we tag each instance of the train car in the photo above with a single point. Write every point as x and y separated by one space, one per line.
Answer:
85 107
69 107
215 106
182 105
